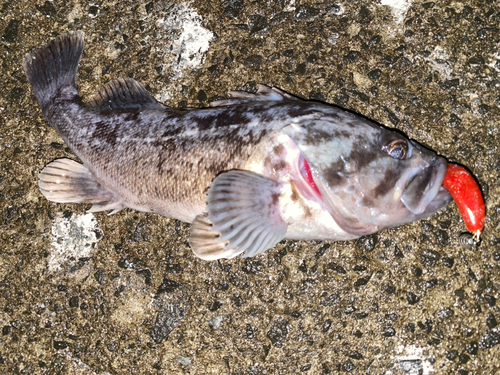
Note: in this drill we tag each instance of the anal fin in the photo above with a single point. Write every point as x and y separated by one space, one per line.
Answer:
66 181
242 216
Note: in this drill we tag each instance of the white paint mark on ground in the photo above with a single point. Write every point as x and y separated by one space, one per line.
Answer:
439 59
495 61
411 360
186 40
290 7
398 8
74 237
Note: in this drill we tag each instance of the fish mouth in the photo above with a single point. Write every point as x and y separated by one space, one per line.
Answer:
424 193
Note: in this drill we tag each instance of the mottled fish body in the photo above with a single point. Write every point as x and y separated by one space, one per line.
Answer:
247 172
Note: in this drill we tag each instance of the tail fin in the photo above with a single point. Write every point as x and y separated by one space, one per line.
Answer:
54 66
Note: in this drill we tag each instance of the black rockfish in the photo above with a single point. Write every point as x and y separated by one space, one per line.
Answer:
247 172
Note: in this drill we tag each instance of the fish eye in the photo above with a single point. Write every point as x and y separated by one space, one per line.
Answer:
397 149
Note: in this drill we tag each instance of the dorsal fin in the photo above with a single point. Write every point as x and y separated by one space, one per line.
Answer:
123 93
264 93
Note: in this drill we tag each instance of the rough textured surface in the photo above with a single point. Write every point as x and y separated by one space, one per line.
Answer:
129 297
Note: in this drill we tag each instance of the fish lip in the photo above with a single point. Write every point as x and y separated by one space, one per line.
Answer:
434 196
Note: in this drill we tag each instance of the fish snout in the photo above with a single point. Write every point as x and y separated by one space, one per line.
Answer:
423 187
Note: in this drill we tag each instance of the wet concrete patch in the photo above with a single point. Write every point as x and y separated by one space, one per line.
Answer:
410 300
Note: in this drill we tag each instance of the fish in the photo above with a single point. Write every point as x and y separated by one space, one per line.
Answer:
247 171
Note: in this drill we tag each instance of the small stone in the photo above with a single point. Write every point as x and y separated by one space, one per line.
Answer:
333 39
233 7
215 322
450 84
445 313
358 334
253 61
442 237
301 69
362 281
305 368
365 15
361 315
429 257
249 331
348 366
11 31
367 243
305 12
463 358
490 339
390 289
490 300
355 355
278 333
184 361
452 354
454 121
374 74
398 253
476 60
59 345
427 326
312 58
447 262
252 267
74 302
112 346
359 268
93 10
460 293
472 348
431 283
167 319
336 267
214 306
491 322
433 341
168 286
389 332
237 300
202 96
412 298
6 330
410 327
326 325
352 56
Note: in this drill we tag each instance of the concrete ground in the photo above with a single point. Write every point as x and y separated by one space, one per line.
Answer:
123 294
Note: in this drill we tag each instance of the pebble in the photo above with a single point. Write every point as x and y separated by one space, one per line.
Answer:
215 322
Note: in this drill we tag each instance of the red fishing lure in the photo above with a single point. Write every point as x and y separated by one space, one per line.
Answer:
466 193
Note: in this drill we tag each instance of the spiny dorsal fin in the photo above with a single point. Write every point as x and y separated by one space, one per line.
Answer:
123 93
264 93
243 216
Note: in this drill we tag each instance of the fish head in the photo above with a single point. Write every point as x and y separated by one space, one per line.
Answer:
370 177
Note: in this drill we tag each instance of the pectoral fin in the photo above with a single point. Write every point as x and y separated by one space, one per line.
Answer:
66 181
242 215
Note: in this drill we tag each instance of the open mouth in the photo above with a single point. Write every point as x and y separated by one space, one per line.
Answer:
424 193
